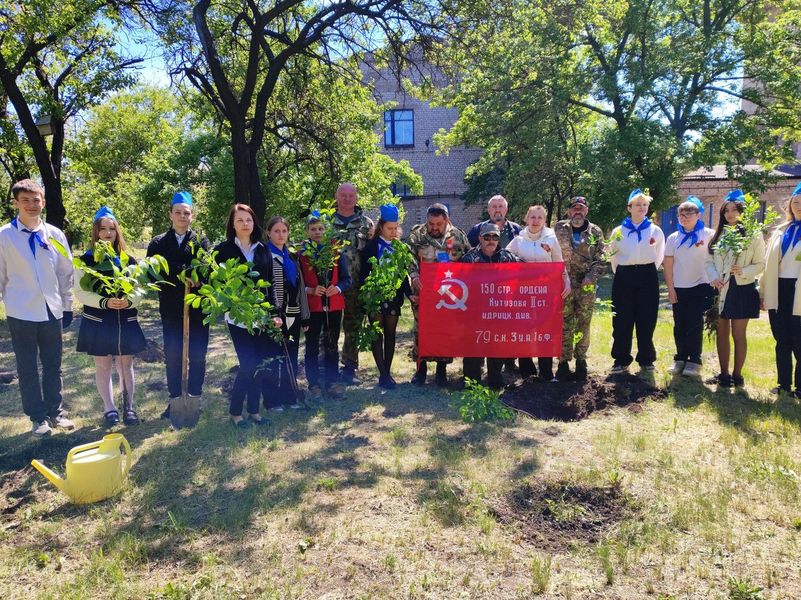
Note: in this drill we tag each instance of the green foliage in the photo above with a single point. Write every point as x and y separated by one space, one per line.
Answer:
743 589
117 276
324 258
381 285
230 287
477 403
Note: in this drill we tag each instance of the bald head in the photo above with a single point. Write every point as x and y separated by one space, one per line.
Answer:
346 198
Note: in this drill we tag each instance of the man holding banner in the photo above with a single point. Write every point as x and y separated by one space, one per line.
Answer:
492 310
487 251
435 241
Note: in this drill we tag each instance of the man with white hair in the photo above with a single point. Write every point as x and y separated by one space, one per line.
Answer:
497 208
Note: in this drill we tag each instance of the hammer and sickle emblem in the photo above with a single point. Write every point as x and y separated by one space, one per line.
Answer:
455 301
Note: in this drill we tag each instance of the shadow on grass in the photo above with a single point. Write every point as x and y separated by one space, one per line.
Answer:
737 408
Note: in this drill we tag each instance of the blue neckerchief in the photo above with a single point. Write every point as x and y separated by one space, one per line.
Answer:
692 236
290 271
638 230
791 236
33 239
383 246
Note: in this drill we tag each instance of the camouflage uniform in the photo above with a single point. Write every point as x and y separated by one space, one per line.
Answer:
583 261
425 248
356 232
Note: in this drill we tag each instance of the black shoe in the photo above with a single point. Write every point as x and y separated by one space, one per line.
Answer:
442 376
780 390
130 417
737 381
510 367
348 377
721 380
563 371
421 374
581 369
386 382
111 418
547 375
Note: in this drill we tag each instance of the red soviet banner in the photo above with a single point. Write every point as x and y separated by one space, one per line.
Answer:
501 310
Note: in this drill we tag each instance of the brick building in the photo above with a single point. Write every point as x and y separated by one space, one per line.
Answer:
407 134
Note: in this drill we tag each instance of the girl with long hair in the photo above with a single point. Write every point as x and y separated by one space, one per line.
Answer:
738 299
109 330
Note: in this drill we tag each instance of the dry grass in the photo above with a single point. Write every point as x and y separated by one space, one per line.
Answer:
388 495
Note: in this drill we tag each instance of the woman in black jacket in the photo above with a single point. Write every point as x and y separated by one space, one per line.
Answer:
243 243
288 295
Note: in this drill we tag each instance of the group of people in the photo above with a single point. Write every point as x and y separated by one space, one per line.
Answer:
37 283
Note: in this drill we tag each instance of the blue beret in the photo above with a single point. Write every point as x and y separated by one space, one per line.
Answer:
636 194
697 201
735 196
182 198
797 190
389 212
104 212
314 217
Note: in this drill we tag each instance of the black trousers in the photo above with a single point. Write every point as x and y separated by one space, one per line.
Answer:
328 327
786 329
688 321
280 378
635 302
471 368
527 369
251 351
33 341
173 329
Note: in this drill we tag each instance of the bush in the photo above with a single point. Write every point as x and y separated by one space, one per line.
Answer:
479 403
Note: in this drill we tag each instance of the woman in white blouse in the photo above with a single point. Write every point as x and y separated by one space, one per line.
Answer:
735 278
538 243
781 295
638 247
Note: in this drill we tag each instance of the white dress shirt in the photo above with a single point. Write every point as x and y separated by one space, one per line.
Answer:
689 269
30 284
628 250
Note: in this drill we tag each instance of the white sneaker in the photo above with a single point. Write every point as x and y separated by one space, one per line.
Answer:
678 367
62 422
692 370
41 429
617 369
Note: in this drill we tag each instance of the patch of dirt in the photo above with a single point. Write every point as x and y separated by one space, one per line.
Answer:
153 353
552 515
576 400
13 491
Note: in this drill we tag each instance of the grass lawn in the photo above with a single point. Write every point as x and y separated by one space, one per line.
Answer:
390 495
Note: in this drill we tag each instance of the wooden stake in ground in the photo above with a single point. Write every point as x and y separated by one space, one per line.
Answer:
185 411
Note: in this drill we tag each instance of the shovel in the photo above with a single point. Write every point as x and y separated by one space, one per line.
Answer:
185 411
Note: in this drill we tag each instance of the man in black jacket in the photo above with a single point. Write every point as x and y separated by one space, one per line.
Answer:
178 245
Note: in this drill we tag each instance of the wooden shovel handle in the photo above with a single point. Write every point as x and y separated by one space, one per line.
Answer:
185 347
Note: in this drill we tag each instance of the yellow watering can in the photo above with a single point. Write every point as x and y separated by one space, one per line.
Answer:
95 471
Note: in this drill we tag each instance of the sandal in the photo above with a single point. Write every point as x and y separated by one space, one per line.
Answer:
130 417
112 418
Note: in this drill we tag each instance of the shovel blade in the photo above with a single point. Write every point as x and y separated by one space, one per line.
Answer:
184 412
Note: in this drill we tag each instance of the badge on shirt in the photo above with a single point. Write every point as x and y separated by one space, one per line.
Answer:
442 256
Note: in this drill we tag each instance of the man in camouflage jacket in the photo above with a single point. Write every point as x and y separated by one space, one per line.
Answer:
353 226
582 246
436 240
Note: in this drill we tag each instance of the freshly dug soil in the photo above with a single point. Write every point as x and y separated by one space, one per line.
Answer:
153 353
575 400
552 515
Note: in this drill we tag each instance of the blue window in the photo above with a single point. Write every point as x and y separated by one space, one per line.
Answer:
398 128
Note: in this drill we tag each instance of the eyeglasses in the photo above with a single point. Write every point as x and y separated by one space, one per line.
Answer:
491 237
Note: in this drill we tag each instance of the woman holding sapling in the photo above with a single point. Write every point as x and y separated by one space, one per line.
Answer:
735 258
637 247
251 340
326 277
538 243
380 247
781 295
688 286
109 330
288 293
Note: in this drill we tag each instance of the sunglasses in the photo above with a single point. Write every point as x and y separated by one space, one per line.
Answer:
491 237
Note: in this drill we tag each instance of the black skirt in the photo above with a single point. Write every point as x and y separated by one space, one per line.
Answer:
742 301
106 332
